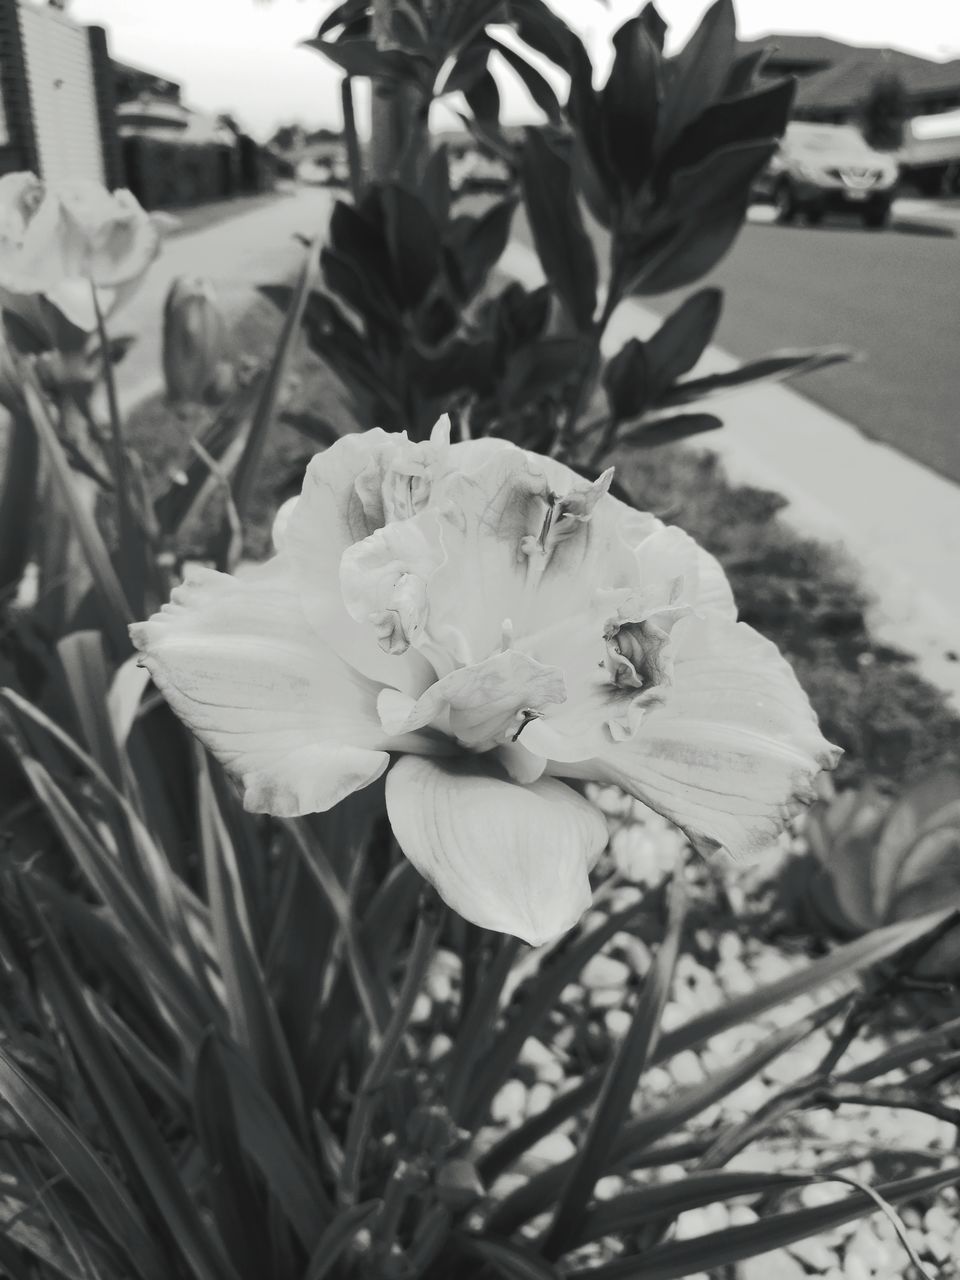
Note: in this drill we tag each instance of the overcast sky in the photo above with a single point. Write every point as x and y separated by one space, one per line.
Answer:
242 55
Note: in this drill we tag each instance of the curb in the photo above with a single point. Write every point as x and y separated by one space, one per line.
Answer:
897 520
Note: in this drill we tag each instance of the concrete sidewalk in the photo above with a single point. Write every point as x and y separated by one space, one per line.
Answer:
899 521
236 254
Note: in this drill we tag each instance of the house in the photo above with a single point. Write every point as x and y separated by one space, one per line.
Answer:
56 96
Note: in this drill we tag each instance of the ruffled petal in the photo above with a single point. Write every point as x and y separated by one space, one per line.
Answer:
506 857
729 753
329 516
238 664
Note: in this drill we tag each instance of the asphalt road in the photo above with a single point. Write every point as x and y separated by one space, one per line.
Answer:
893 295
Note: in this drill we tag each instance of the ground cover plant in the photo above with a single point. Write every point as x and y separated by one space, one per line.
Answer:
246 1041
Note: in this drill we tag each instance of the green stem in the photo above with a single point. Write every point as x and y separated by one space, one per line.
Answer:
354 157
18 501
588 381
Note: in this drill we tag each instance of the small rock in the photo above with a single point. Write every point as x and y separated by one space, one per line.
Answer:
608 1187
618 1022
602 971
686 1069
767 1265
854 1268
539 1098
542 1060
554 1148
741 1215
510 1103
440 1046
422 1008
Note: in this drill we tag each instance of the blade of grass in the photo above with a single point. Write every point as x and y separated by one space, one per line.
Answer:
235 1200
338 1237
132 553
845 962
107 1199
123 1113
537 1003
639 1135
735 1244
429 922
253 1017
115 608
246 473
624 1214
513 1261
620 1083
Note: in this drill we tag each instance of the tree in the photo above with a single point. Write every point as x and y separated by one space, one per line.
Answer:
884 112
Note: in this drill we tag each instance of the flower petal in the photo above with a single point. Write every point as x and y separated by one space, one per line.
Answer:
237 662
506 857
327 518
731 751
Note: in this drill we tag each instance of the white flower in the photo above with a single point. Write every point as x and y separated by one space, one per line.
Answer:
56 242
498 624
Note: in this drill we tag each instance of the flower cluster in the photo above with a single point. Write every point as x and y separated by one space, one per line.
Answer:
493 624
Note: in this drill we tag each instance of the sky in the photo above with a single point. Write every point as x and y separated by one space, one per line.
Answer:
242 55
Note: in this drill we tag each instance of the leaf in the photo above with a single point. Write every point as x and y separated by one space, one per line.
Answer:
113 603
630 104
435 185
253 1018
620 1082
343 14
626 380
477 244
268 1141
238 1208
414 243
699 71
124 1115
362 57
778 365
246 474
85 670
513 1261
338 1237
669 1117
683 337
561 241
483 97
693 249
625 1214
538 86
106 1198
18 506
657 431
753 116
735 1244
539 999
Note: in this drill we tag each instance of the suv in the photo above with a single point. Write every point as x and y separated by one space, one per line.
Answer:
822 168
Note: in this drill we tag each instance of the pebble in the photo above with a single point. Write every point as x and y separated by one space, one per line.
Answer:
422 1009
440 1046
686 1069
553 1148
769 1265
700 1222
618 1022
813 1253
539 1098
509 1103
602 971
608 1187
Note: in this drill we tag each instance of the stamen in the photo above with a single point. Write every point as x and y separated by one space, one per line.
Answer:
525 716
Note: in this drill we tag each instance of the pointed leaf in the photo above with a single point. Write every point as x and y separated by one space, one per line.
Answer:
735 1244
106 1198
682 338
620 1083
630 104
778 365
561 241
699 71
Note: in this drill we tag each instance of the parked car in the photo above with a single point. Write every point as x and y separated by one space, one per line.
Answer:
827 168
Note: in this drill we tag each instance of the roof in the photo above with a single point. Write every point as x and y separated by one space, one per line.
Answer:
850 81
835 76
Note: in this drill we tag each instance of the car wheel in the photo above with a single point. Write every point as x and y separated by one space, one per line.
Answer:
784 202
877 215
